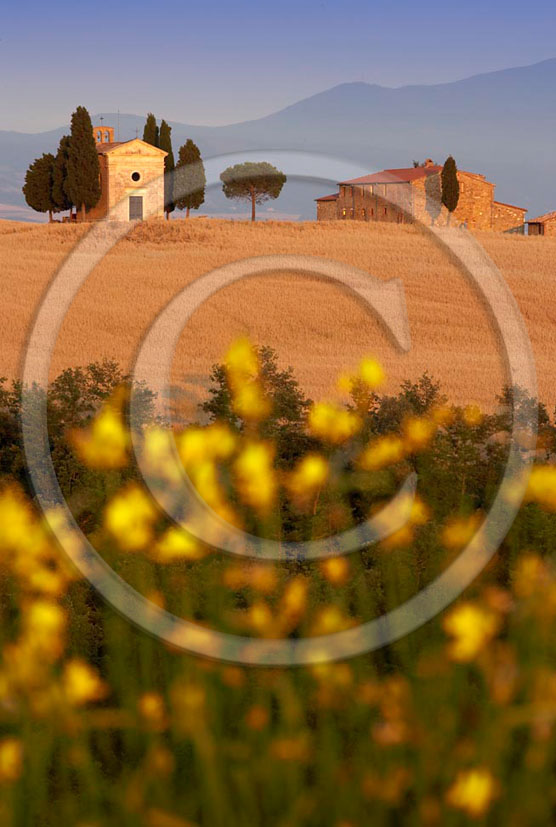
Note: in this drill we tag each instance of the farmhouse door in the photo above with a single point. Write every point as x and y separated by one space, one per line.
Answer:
135 207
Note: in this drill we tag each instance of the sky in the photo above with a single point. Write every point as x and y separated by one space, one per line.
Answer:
212 63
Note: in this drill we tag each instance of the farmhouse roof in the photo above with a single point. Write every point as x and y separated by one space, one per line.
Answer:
542 219
396 176
333 197
512 206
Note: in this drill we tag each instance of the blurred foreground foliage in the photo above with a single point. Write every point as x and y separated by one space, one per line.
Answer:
101 724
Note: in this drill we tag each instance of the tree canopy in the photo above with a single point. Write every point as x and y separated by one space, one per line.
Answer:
254 182
150 131
190 179
83 169
450 185
165 143
37 188
60 176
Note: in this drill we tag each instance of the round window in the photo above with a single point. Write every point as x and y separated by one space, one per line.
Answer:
135 176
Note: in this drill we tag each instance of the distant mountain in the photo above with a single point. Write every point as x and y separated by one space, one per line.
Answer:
501 124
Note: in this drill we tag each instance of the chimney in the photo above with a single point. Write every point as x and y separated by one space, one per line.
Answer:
429 163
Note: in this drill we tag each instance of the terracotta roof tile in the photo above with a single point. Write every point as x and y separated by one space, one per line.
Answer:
512 206
396 176
333 197
541 219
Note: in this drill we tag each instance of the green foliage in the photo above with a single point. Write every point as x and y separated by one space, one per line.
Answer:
83 169
60 176
254 182
150 130
433 193
287 421
37 188
450 185
165 143
190 179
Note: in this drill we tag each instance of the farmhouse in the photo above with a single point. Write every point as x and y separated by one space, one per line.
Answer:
399 196
126 167
543 225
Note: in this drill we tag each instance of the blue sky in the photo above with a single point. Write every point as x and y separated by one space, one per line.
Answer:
219 62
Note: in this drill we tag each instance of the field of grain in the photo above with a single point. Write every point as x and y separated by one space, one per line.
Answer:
316 326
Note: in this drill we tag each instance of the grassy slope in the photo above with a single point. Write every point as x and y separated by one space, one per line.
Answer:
315 326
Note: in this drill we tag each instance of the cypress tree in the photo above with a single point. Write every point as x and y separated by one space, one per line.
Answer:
166 145
433 195
450 186
83 178
60 176
37 188
190 179
150 130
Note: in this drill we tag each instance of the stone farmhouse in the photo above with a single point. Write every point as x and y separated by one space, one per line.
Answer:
543 225
399 196
126 167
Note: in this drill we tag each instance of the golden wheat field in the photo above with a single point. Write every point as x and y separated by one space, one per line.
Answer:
316 326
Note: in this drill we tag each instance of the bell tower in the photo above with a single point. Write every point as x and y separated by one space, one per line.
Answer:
103 134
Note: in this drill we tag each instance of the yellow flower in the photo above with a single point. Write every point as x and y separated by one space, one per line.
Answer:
309 477
44 625
420 512
345 382
260 617
242 362
332 423
177 544
262 577
472 791
418 432
403 536
459 531
105 442
294 598
384 451
471 629
257 717
531 574
472 415
442 415
129 517
371 372
329 620
250 403
541 487
255 475
82 684
16 520
151 708
335 569
11 759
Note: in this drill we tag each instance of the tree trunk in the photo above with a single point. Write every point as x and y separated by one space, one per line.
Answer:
252 206
83 212
50 216
187 212
167 215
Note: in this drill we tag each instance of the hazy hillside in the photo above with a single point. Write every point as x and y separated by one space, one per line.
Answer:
501 123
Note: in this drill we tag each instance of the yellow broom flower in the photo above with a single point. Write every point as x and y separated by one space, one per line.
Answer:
129 517
472 791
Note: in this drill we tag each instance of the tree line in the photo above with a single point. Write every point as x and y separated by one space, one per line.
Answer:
71 178
442 189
